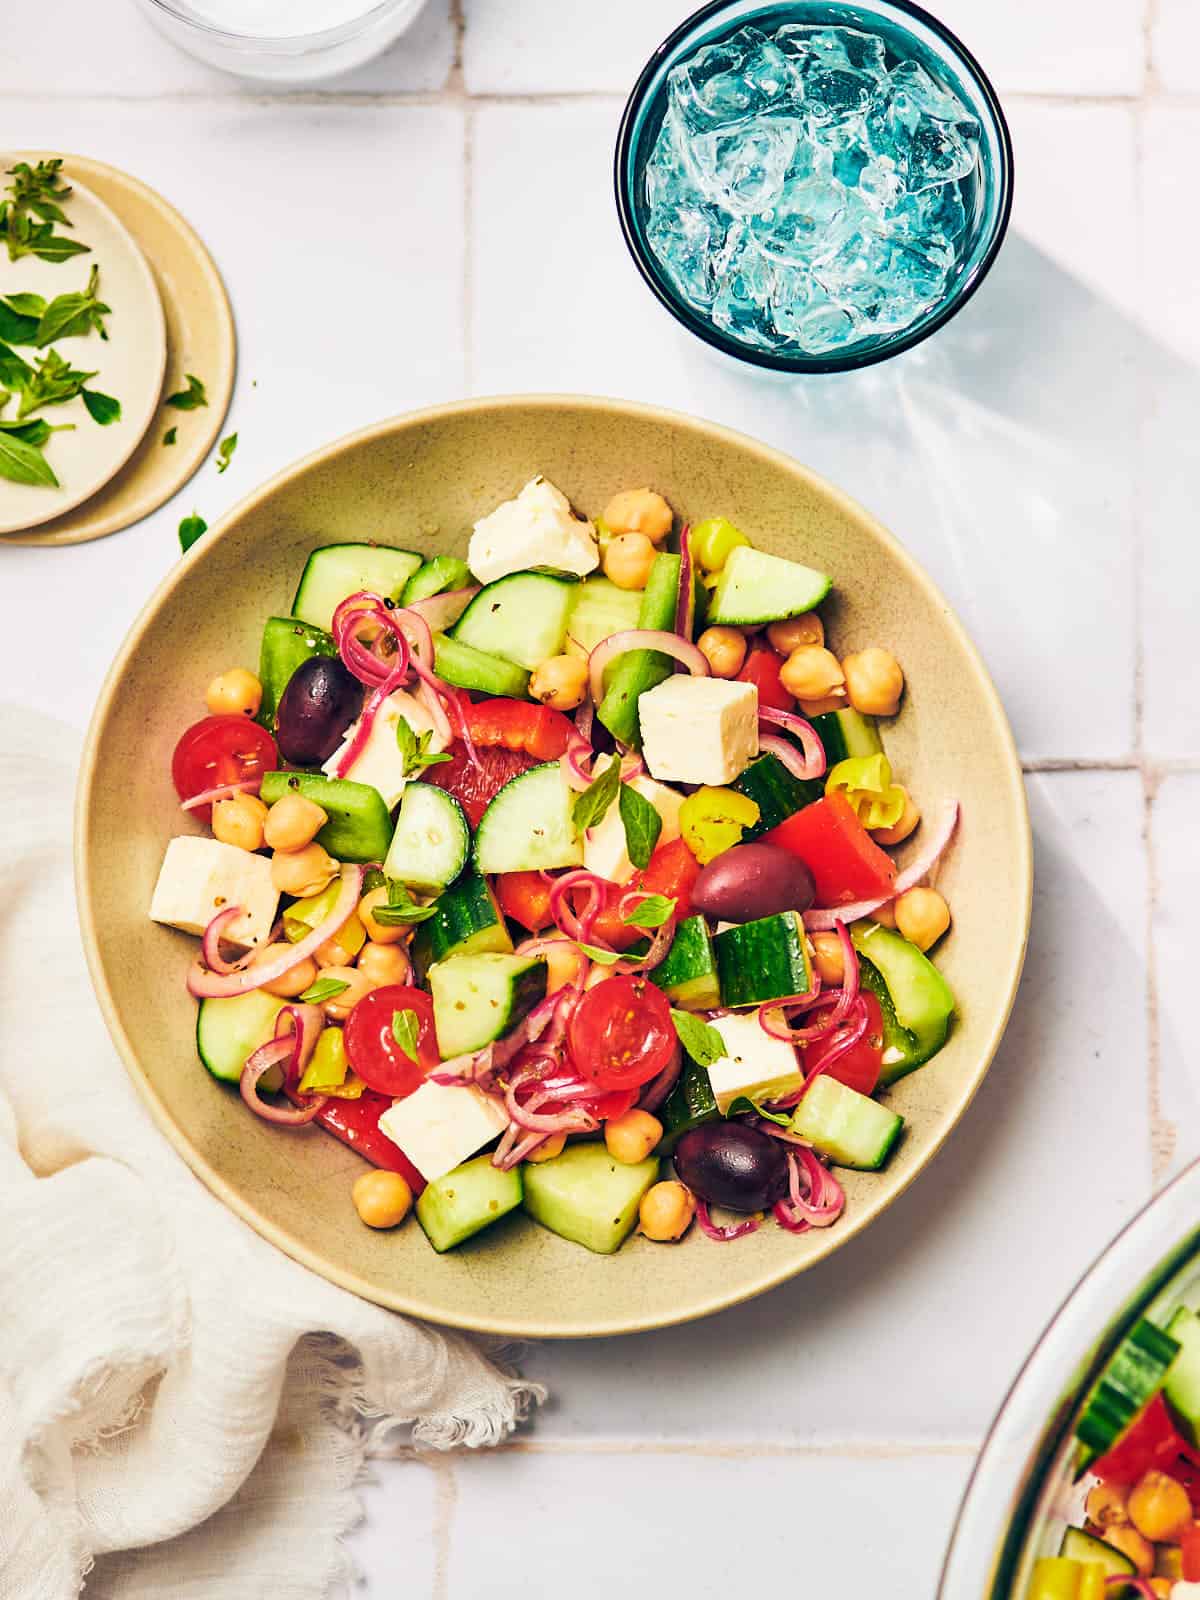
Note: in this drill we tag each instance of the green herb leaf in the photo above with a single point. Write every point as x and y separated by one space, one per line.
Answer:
15 326
73 316
190 530
373 878
401 910
702 1043
651 912
743 1104
323 989
189 399
170 435
13 371
406 1026
26 305
603 958
52 382
591 806
35 192
642 826
102 408
225 451
22 462
414 749
35 431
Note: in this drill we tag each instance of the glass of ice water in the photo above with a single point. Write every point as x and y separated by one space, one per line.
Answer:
813 185
284 41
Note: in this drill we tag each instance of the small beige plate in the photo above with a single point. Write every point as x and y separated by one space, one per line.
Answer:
200 339
418 481
129 364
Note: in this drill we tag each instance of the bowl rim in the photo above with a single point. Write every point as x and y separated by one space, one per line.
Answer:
415 1303
800 366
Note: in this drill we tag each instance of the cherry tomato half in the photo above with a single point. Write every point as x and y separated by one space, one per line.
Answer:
217 750
858 1068
761 668
621 1033
525 897
375 1053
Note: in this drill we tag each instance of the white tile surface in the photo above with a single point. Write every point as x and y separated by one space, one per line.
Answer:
1175 45
542 46
1177 863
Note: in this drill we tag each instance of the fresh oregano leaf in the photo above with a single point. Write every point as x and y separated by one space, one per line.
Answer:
23 462
702 1043
189 399
323 989
102 408
225 451
190 530
592 805
406 1026
651 912
642 827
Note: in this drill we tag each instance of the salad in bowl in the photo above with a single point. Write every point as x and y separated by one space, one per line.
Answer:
559 878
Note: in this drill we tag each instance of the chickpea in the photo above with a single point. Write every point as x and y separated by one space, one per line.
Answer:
1131 1543
234 693
552 1145
630 1138
597 975
811 672
639 511
564 963
302 872
239 820
874 682
818 708
382 964
382 1199
907 824
790 635
340 949
1159 1507
628 560
293 821
828 958
339 1006
724 649
885 915
666 1211
922 916
560 681
1107 1505
293 982
380 932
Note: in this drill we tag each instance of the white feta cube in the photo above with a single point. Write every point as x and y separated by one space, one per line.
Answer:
755 1065
200 877
699 730
604 849
537 529
380 762
439 1125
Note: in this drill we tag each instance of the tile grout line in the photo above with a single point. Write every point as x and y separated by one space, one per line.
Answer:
445 1505
726 1450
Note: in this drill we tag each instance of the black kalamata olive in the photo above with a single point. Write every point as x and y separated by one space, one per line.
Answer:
730 1165
753 880
321 700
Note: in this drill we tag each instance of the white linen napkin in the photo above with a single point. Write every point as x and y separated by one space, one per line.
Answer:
159 1435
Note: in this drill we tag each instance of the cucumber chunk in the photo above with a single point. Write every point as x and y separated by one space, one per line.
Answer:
849 1128
521 618
436 577
338 570
599 608
901 1050
1135 1373
776 792
528 825
587 1197
229 1030
687 974
359 826
466 1201
922 999
763 960
467 668
1079 1545
479 998
846 733
690 1104
466 922
430 845
286 643
754 587
638 670
1182 1387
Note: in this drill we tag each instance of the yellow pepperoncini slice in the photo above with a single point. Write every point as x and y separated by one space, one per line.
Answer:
713 820
328 1070
866 782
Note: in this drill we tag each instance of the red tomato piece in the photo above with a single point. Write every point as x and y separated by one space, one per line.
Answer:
672 872
1150 1440
475 786
217 750
375 1053
525 897
538 731
845 861
1189 1550
621 1034
859 1067
761 668
356 1123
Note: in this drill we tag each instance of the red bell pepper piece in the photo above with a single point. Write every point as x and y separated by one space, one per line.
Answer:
1150 1440
1189 1551
356 1123
761 668
525 897
845 861
672 872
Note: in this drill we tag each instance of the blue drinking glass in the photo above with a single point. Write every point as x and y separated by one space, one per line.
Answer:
908 33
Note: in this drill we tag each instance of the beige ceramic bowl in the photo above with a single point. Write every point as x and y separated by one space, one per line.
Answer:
419 481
